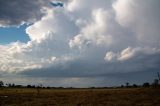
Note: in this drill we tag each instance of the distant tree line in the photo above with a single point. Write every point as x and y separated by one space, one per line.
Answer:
155 84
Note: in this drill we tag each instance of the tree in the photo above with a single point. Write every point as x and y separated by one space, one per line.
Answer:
146 84
10 85
29 86
127 84
158 76
13 85
135 86
122 86
1 83
155 83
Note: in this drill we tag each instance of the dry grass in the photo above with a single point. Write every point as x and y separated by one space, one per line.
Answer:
79 97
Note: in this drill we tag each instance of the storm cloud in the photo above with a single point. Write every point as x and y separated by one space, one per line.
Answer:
18 12
81 40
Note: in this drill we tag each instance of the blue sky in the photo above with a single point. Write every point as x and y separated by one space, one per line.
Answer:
13 34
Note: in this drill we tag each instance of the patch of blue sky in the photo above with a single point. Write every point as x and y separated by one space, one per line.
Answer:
13 34
57 4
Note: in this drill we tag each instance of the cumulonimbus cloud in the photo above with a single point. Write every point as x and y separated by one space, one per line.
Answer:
82 39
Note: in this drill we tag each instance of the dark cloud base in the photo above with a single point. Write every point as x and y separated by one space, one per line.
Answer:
16 12
107 80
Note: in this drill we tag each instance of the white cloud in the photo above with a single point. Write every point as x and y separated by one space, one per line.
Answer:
45 24
124 13
95 31
126 54
129 53
141 17
111 36
110 56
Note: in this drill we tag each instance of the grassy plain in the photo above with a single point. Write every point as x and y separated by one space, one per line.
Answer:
79 97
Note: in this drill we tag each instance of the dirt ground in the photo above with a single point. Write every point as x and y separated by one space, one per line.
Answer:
79 97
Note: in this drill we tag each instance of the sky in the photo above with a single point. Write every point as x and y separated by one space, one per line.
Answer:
79 43
13 34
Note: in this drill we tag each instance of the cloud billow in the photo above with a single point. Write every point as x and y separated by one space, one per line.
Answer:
82 40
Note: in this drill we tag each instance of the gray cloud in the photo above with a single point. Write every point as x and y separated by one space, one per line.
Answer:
83 41
141 62
16 12
105 80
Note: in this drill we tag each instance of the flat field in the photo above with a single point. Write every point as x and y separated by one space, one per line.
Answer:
79 97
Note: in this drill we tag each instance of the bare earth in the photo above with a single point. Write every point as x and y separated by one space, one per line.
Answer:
79 97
